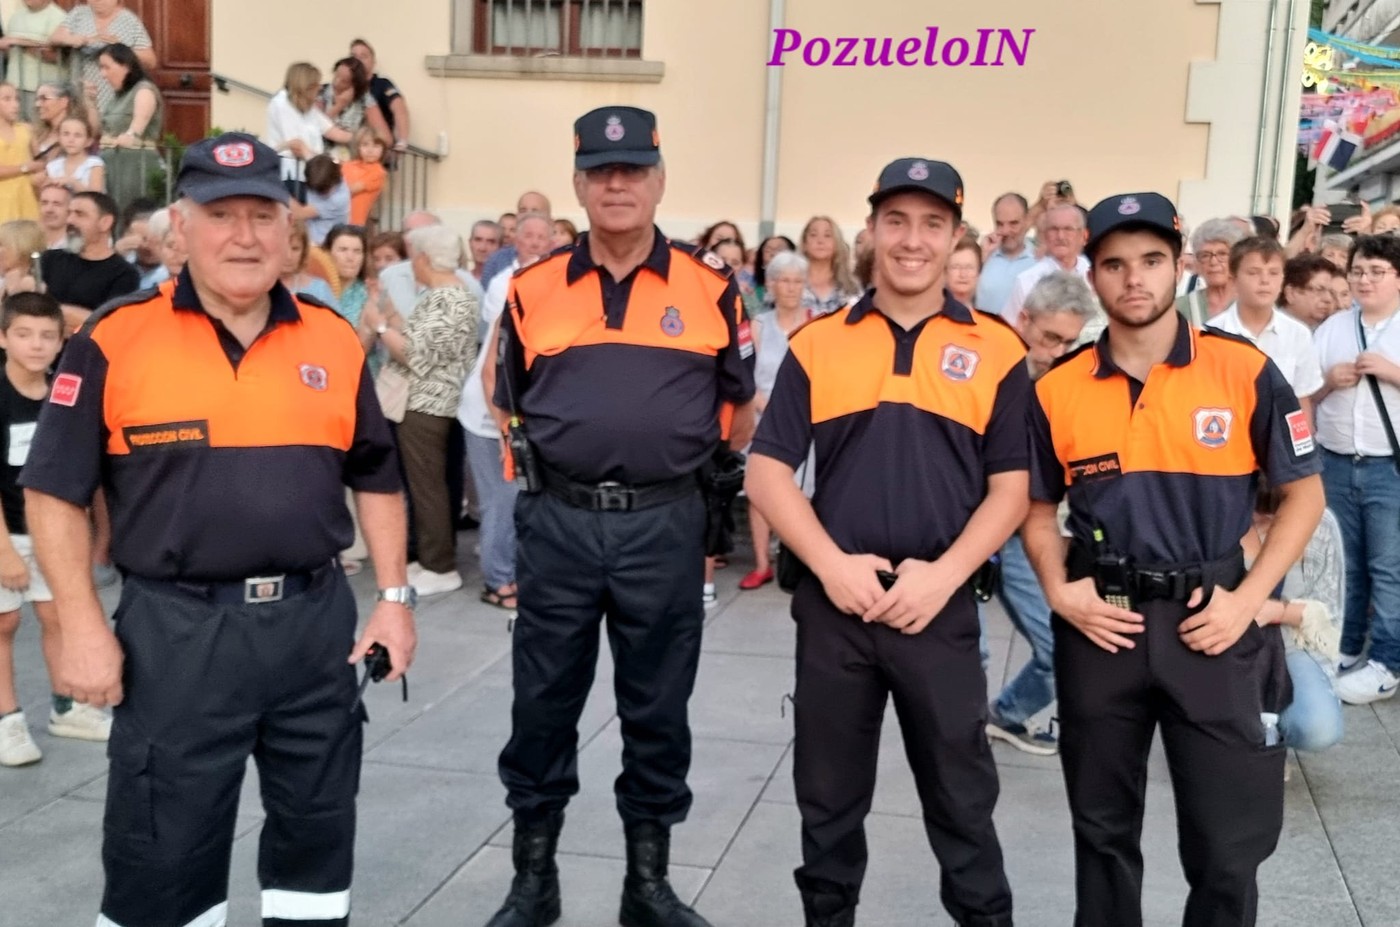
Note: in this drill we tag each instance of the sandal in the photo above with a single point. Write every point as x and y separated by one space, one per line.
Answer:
498 599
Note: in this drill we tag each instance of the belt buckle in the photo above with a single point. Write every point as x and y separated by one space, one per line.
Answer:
259 590
612 497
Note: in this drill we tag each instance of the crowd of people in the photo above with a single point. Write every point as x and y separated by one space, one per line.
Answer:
443 337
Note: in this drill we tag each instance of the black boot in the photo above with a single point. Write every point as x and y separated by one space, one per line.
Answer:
534 894
647 898
827 910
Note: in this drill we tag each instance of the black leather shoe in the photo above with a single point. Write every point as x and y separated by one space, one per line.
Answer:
647 897
827 910
534 893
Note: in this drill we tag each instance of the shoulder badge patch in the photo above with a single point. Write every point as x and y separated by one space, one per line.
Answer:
1213 427
713 260
745 340
66 387
1300 432
959 364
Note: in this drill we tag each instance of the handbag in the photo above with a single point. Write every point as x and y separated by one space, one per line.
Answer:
391 386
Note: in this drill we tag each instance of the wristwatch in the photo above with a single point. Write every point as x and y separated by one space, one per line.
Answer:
406 596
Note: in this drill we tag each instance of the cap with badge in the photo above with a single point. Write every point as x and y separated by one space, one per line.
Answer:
616 135
920 175
232 164
1133 211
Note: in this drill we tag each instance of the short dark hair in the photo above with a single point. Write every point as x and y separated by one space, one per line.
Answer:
1267 248
322 174
760 273
38 305
1383 247
359 80
351 231
1301 269
1265 226
387 240
106 206
142 207
126 57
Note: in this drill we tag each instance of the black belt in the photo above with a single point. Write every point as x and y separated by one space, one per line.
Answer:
1174 582
255 590
1362 458
617 497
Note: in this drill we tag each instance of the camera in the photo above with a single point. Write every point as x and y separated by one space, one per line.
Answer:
1063 188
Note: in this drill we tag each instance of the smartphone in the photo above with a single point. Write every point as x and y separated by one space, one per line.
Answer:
1341 212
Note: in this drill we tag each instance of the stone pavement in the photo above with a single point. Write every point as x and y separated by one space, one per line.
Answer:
433 847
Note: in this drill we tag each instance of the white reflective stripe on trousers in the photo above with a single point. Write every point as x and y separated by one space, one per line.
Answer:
305 906
216 916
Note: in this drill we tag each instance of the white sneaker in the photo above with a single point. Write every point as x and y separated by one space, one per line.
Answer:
81 722
1371 683
1348 662
17 748
414 569
708 597
429 583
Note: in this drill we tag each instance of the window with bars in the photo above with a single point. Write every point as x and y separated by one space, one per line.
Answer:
566 28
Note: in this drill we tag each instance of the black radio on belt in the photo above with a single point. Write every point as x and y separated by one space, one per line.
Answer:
522 454
1112 574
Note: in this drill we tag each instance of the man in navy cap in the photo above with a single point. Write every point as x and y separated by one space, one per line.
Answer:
1157 434
224 418
916 405
627 359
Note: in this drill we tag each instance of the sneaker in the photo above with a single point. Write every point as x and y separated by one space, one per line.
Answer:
415 569
17 748
1348 662
1317 633
81 722
429 583
708 596
1371 683
1027 740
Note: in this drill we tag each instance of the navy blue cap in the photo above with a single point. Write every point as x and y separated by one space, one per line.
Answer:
616 135
1133 211
233 164
920 174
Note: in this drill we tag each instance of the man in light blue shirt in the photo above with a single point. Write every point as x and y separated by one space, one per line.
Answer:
1010 256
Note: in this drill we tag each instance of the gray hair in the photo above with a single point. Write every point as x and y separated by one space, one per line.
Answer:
486 224
1060 291
439 244
1225 231
784 262
158 224
1335 240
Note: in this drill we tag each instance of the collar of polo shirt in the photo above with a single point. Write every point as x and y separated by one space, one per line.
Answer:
1182 352
581 260
952 309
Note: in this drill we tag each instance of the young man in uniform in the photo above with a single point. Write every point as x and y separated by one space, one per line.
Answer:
1156 433
619 353
917 407
223 418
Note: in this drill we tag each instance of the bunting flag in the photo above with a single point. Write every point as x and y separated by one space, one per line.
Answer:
1372 54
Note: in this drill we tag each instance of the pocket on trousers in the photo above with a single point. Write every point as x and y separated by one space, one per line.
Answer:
130 809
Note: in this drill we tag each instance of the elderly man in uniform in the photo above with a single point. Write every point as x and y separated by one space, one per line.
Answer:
224 418
619 354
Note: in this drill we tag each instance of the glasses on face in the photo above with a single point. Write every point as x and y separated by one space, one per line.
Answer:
1051 341
1318 290
605 172
1212 257
1374 273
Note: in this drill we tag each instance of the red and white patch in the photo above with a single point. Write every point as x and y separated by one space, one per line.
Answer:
1213 427
234 154
918 171
314 377
959 364
745 340
1300 431
66 387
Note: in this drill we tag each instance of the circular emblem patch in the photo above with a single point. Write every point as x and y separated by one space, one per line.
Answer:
918 171
671 322
614 131
1128 206
234 154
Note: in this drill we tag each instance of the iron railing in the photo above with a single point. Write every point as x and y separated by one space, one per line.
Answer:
405 190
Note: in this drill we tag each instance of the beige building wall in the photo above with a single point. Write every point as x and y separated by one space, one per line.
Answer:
1161 95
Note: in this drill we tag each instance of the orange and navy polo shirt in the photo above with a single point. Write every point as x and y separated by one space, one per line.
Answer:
1167 467
219 463
908 425
624 379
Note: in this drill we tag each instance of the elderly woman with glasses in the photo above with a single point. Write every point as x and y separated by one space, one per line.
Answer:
1211 244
